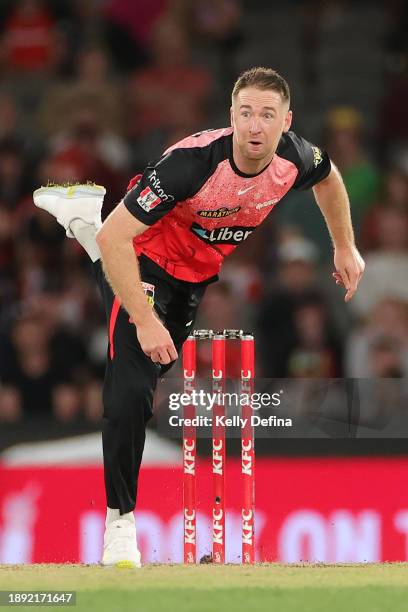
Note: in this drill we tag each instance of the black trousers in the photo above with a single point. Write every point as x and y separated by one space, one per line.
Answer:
131 376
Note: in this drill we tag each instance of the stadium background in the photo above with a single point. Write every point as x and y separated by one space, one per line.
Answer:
93 90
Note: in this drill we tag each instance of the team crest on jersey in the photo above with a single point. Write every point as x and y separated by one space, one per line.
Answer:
317 156
149 292
219 213
148 199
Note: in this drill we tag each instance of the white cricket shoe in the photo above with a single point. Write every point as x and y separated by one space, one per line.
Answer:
119 545
70 202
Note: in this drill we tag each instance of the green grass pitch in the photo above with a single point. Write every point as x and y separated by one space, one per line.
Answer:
228 588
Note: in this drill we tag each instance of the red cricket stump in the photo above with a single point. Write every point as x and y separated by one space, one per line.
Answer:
218 449
189 455
247 449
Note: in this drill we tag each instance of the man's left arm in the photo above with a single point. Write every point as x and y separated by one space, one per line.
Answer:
332 199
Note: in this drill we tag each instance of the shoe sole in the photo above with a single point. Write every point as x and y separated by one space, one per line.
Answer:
124 565
77 191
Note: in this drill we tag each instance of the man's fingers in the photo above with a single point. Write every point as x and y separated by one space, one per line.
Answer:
354 278
349 267
345 278
348 295
163 355
172 352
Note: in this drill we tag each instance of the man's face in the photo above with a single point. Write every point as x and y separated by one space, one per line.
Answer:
259 117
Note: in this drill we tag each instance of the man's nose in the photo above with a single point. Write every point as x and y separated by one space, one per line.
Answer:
254 126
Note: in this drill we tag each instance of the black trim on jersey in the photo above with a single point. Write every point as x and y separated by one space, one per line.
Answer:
313 163
181 173
176 176
234 166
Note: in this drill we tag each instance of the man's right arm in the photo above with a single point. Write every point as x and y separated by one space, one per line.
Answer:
164 183
115 241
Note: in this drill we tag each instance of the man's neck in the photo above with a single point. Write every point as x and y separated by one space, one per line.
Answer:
249 166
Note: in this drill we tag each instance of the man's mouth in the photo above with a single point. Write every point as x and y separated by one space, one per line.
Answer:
255 142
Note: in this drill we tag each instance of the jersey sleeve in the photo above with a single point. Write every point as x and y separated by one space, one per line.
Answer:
313 163
164 182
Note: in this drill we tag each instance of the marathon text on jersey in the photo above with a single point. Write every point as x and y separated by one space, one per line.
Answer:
219 212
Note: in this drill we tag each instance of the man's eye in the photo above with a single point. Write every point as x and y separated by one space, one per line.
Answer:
245 114
268 116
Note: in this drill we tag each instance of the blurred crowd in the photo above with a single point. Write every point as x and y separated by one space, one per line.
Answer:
94 90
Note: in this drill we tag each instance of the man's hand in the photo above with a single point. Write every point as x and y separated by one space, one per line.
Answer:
349 269
155 340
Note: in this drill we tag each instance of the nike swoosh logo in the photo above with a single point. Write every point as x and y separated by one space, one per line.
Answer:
242 191
189 323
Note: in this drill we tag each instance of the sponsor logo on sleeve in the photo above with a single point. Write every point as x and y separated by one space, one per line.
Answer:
317 156
149 292
219 213
148 199
155 181
222 235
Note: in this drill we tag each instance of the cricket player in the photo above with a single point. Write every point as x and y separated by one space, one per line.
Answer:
162 245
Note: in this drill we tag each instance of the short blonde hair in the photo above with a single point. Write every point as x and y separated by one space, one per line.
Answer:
262 78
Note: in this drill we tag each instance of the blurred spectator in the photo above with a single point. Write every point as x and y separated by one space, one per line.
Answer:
29 370
380 342
45 361
244 280
297 279
218 311
385 358
393 125
128 27
29 38
91 100
92 401
13 182
317 349
38 252
10 124
61 168
217 24
395 196
166 100
346 149
65 402
10 405
386 272
397 41
219 20
7 254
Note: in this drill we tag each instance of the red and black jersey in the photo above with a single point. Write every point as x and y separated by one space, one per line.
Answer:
200 206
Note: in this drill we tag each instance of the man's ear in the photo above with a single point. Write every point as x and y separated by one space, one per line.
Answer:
288 121
232 117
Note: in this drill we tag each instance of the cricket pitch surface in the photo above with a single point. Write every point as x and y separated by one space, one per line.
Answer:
226 588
